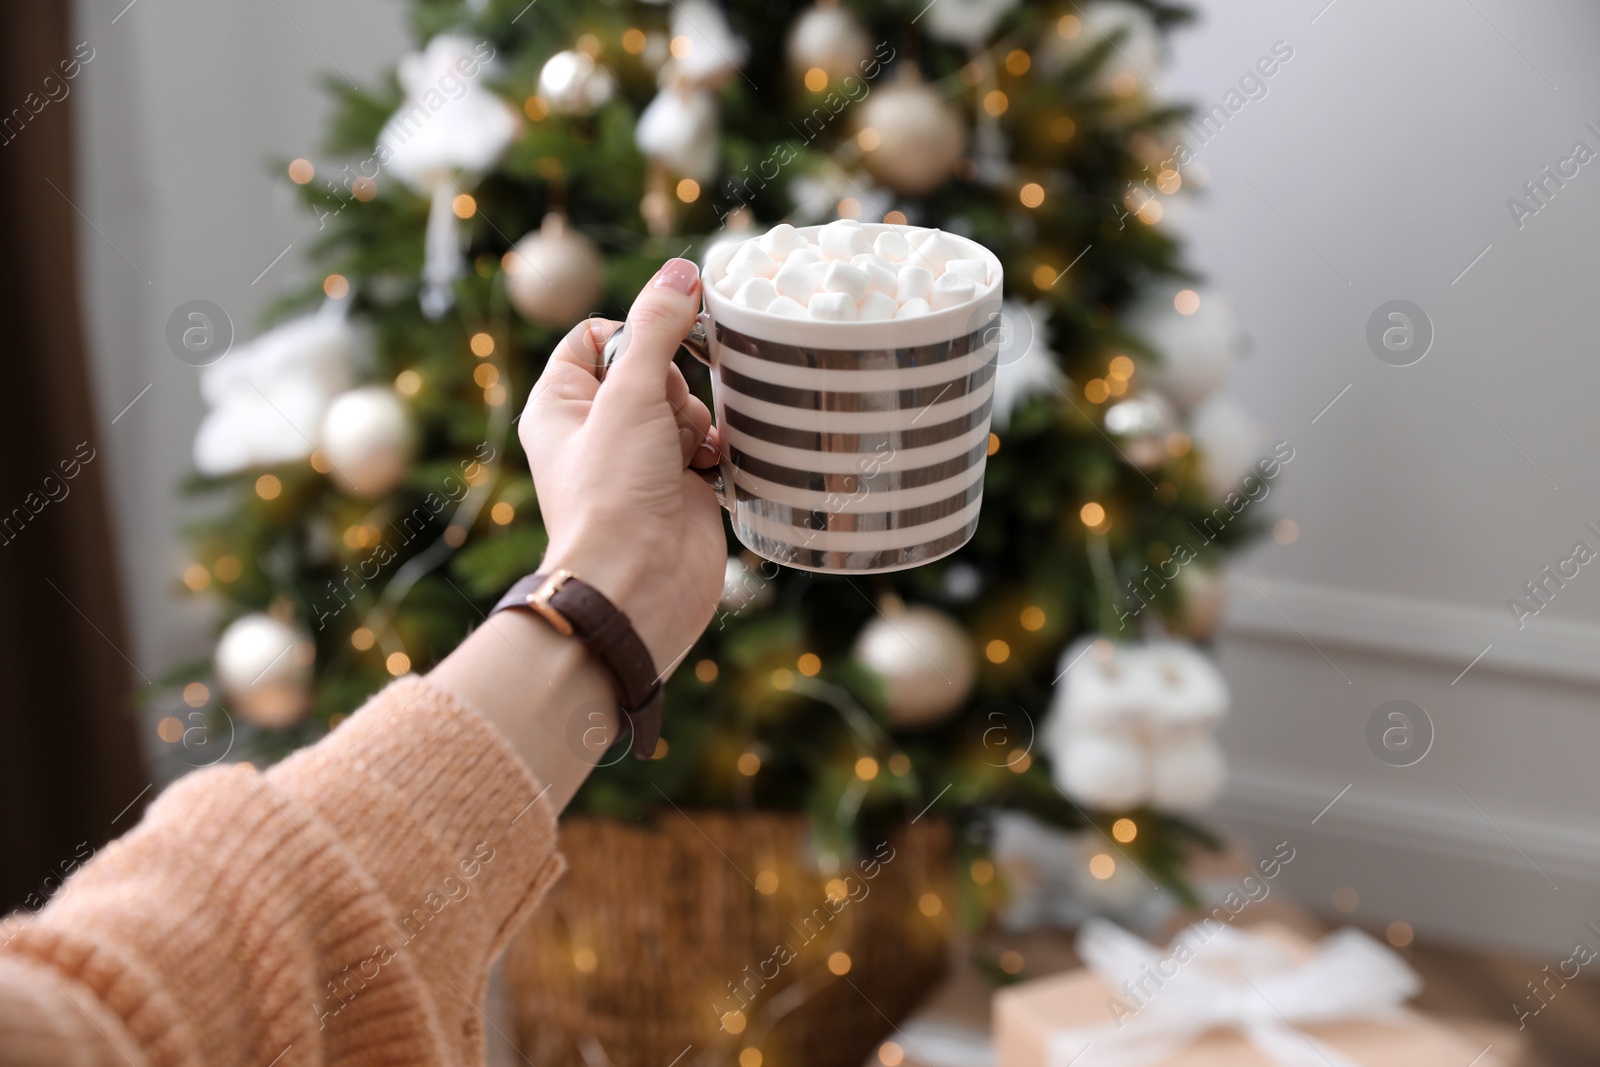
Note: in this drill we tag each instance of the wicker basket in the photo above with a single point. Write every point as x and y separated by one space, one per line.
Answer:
666 944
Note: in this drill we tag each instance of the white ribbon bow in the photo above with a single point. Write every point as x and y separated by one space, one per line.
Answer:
1215 977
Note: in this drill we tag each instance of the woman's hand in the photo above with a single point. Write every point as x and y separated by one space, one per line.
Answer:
610 465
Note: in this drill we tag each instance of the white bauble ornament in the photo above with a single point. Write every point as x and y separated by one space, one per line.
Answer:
1102 771
830 38
367 439
965 22
1024 361
743 587
1204 595
1229 443
925 660
264 668
1140 424
920 136
554 275
1187 775
1197 350
572 83
678 130
267 397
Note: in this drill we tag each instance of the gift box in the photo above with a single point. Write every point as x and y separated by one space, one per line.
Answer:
1222 997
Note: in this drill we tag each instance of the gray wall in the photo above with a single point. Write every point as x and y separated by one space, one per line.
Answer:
1377 167
180 112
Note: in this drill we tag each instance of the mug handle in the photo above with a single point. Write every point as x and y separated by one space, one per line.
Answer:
698 345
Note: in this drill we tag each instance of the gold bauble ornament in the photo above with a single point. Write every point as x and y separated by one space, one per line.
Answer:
924 659
831 39
918 137
554 275
264 668
368 441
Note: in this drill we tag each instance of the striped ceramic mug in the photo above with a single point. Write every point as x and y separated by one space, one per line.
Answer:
854 447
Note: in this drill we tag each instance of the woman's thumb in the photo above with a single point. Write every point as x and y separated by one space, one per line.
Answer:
661 317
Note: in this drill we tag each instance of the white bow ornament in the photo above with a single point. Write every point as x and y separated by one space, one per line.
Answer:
449 130
1215 977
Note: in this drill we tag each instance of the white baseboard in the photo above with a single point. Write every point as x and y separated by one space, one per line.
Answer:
1453 881
1461 849
1444 633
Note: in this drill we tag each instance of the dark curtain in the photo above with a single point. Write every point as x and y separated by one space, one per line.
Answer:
69 763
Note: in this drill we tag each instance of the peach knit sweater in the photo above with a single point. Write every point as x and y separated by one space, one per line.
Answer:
341 908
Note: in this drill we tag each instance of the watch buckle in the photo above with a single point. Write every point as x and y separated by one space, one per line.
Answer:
539 601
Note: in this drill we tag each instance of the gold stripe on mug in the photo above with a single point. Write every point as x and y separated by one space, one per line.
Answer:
843 461
852 400
857 380
856 540
852 421
821 519
853 483
843 359
835 500
873 442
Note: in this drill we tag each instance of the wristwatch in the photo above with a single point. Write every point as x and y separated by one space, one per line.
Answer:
577 609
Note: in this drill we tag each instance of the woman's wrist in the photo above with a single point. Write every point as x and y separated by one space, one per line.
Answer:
545 693
630 586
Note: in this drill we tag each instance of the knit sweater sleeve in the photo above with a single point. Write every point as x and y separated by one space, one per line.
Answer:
342 908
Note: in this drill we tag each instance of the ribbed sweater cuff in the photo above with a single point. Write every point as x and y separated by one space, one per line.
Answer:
445 817
418 785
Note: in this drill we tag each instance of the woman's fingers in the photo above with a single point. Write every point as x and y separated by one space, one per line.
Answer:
570 372
582 345
708 453
661 317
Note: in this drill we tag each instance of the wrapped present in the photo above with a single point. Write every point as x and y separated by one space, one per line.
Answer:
1220 997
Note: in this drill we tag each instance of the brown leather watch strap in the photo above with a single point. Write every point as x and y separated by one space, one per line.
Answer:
575 607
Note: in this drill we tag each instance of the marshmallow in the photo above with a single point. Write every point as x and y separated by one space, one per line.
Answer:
806 253
842 239
891 246
877 306
843 278
751 260
788 307
880 275
911 308
756 293
725 285
798 280
975 271
914 283
832 307
932 251
781 240
719 255
952 291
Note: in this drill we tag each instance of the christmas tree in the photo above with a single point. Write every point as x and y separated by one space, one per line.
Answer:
530 165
